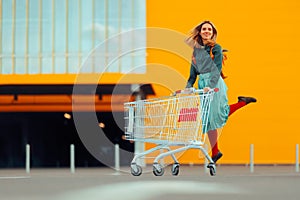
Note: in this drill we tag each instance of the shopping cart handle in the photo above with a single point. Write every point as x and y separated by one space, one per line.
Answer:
192 90
185 91
210 90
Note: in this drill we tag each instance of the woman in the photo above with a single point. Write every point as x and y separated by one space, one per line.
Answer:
207 63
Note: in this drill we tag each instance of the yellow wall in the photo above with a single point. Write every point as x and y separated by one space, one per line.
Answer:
263 39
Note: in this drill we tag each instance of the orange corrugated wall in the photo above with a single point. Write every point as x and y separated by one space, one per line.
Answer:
263 40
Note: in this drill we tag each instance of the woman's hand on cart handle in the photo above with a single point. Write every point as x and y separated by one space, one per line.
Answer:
189 90
185 91
206 89
193 90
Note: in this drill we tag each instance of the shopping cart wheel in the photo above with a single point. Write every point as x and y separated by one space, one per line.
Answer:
158 170
175 169
136 170
212 169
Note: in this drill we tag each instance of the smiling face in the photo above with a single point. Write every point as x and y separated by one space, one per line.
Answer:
206 31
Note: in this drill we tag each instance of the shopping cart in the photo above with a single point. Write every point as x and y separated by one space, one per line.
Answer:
175 121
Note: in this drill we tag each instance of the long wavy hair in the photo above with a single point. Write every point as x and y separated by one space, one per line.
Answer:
195 39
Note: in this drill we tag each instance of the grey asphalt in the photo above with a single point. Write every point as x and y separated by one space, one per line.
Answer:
193 182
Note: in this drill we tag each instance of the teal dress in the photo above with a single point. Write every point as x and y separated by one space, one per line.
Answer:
208 71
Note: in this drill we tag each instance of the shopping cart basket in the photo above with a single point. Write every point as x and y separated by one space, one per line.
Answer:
178 120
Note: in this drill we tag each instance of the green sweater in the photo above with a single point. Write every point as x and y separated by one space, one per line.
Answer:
202 63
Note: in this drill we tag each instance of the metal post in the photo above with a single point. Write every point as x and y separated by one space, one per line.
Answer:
251 158
297 158
27 159
72 158
117 158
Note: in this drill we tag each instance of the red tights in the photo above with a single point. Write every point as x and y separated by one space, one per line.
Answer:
213 134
